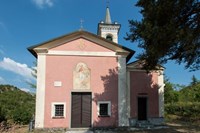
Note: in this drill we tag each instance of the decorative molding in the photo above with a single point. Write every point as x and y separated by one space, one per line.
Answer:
81 53
41 50
79 90
81 45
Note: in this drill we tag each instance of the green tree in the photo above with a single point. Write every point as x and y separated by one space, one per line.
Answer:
34 74
169 30
191 93
170 95
16 105
194 80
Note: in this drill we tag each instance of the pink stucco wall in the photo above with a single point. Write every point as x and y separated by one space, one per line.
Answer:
104 83
144 85
81 44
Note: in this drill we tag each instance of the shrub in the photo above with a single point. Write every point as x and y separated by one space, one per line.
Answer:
15 105
2 115
21 115
187 109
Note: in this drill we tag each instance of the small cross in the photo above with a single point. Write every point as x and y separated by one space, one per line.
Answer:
81 24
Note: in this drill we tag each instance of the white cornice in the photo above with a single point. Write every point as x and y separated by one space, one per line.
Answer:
40 50
81 53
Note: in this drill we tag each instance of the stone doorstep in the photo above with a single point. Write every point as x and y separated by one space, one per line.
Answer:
79 131
144 124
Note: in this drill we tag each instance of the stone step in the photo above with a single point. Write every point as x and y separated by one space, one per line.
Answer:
79 131
144 124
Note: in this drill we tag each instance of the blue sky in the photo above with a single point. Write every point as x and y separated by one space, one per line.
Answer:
24 23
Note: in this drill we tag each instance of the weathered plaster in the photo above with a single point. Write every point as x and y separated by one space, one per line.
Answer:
122 93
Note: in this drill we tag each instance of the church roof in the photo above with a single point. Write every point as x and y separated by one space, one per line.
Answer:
121 50
138 65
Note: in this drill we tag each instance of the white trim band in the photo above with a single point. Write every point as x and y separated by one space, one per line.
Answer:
81 53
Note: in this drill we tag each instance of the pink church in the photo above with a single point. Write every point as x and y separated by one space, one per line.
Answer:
84 81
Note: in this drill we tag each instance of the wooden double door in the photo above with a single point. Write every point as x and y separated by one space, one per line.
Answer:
81 109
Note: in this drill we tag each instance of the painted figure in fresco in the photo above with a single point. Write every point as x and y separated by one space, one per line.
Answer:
81 76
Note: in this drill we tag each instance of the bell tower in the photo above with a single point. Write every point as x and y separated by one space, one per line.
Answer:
107 29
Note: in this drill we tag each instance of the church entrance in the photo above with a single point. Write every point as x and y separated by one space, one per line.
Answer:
142 108
81 109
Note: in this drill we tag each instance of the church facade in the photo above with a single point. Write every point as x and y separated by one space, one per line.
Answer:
84 81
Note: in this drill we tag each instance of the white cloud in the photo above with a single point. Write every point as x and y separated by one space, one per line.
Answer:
15 67
43 3
25 89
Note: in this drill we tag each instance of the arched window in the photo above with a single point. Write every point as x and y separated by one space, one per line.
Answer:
109 37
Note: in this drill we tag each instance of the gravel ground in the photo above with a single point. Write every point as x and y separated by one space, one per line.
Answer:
177 127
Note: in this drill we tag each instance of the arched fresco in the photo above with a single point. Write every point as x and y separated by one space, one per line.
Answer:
81 77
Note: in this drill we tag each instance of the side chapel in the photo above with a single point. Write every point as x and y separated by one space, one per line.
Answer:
84 81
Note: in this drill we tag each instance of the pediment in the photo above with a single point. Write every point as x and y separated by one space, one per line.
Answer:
81 40
81 44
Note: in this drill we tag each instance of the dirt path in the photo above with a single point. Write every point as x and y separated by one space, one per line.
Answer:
171 128
174 128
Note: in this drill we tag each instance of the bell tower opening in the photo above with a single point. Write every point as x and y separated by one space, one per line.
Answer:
107 29
109 37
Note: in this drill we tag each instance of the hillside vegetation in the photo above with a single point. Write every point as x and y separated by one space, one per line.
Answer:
16 106
184 103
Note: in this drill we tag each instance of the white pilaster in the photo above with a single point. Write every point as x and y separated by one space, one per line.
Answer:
122 92
161 93
40 91
128 96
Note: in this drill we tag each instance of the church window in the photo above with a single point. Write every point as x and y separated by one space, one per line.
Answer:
58 110
104 108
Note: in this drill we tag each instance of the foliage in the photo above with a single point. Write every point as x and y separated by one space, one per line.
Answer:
2 114
34 74
169 30
190 93
171 95
189 109
16 105
185 102
194 80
